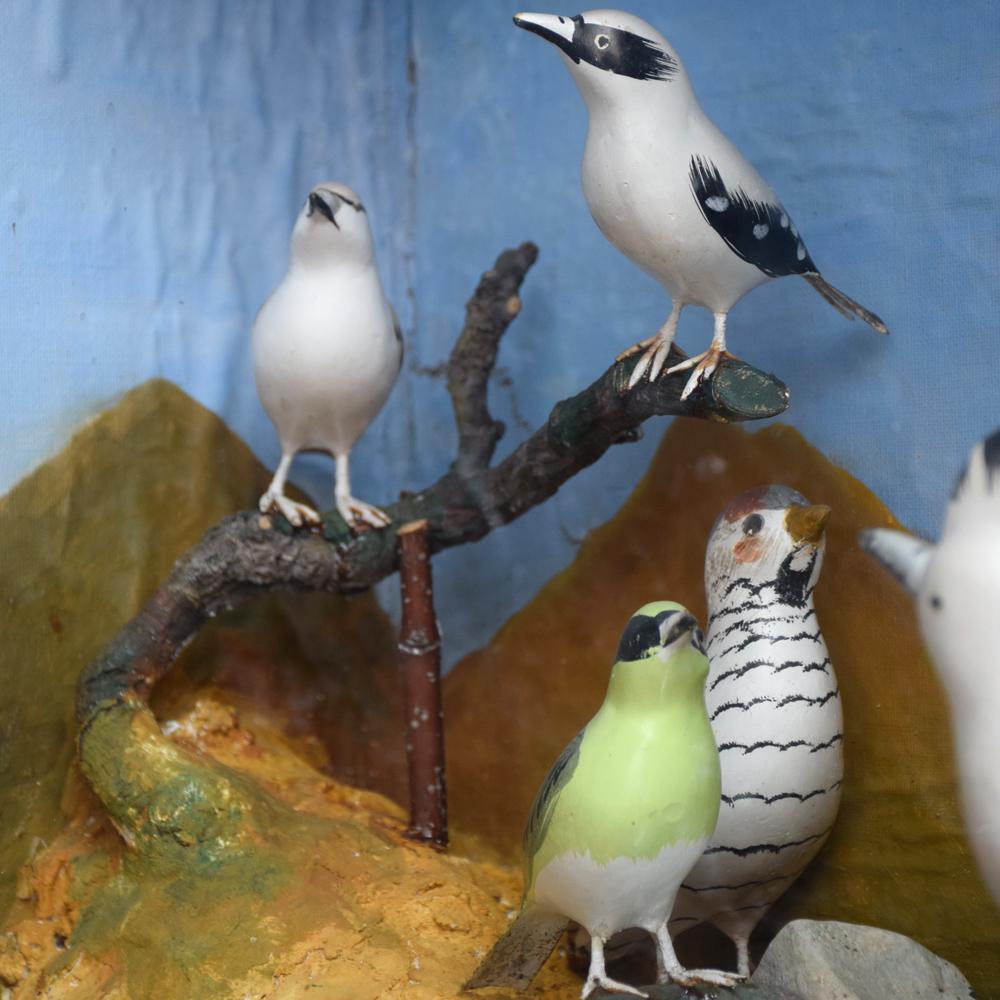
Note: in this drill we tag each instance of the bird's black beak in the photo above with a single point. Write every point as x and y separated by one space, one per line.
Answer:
681 625
553 28
318 204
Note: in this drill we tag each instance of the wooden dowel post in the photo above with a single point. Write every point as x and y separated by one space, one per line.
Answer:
420 670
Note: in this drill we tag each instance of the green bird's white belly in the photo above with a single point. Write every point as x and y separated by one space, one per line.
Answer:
618 894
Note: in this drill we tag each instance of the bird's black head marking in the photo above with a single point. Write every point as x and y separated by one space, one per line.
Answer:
645 633
641 634
319 204
991 459
620 52
613 49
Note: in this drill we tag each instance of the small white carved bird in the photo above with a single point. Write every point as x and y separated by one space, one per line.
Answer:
668 189
326 348
775 708
956 585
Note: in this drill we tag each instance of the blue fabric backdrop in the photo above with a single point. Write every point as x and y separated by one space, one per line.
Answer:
154 155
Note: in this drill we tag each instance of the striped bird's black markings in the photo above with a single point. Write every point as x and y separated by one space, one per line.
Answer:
756 589
737 672
805 699
759 232
746 624
776 668
772 640
823 665
831 742
771 799
782 747
792 585
746 852
738 609
744 885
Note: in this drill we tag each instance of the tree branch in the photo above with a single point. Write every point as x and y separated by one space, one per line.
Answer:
247 554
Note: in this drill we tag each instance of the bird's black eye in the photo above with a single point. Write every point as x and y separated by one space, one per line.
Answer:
752 525
936 602
602 41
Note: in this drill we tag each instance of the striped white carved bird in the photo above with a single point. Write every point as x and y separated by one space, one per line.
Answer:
326 348
956 586
668 189
773 700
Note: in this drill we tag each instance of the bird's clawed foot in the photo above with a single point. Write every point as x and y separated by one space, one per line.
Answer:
356 512
655 350
693 978
609 985
296 514
703 364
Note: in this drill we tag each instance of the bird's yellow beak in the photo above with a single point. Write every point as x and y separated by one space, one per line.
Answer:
806 524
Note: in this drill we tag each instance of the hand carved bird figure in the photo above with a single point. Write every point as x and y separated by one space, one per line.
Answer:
773 700
668 189
956 586
625 811
326 348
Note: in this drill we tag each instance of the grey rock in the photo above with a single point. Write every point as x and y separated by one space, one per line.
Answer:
826 960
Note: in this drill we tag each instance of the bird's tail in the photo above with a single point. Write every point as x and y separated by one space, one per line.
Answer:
844 304
521 952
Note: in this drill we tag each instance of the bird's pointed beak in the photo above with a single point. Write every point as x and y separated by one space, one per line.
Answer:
679 626
318 204
553 28
903 555
806 524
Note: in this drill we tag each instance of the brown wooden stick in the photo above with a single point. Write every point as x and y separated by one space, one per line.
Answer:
420 670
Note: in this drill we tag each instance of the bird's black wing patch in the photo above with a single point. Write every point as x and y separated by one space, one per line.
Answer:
541 811
759 232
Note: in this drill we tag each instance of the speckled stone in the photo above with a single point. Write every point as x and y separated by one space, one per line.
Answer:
829 960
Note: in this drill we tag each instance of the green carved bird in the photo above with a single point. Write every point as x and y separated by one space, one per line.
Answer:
624 813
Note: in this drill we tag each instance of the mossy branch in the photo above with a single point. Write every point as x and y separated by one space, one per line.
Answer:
247 553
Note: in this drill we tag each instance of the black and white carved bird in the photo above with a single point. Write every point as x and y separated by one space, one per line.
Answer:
668 189
326 348
774 703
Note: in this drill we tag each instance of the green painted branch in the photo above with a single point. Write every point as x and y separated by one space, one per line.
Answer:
247 553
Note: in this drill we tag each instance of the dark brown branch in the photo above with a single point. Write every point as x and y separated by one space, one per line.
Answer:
420 670
488 313
247 554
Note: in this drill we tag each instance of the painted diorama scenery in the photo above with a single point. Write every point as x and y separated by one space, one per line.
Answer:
595 706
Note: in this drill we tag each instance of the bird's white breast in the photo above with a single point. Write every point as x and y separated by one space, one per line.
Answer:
636 180
963 637
623 893
325 357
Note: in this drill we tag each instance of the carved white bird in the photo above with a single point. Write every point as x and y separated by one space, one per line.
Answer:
326 348
668 189
775 708
956 585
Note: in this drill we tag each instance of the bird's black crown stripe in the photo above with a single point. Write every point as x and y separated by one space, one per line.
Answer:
613 49
641 634
759 232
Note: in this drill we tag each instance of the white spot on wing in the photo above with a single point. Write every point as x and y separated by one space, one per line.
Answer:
717 203
801 252
761 230
784 221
